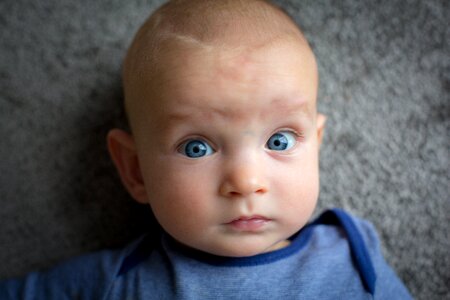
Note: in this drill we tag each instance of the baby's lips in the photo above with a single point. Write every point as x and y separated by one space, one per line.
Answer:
249 223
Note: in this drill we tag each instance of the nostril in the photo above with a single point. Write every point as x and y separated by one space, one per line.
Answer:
260 191
235 193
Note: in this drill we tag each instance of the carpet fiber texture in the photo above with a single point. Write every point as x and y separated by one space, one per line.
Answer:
385 80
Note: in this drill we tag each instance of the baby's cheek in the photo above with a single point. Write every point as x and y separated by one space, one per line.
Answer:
300 188
178 193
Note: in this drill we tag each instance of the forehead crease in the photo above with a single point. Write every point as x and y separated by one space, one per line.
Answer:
193 112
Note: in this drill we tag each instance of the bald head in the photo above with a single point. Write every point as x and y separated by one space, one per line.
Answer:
181 25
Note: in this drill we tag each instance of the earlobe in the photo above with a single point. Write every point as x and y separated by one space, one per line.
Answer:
321 120
122 150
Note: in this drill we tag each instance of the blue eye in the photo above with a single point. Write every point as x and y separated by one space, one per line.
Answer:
196 149
281 141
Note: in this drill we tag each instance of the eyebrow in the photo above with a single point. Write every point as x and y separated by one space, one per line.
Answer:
292 107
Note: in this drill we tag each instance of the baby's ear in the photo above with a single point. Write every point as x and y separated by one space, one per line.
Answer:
321 120
122 149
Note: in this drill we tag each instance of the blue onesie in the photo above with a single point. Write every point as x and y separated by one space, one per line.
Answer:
336 257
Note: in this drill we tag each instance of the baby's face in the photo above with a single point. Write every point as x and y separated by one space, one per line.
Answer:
228 150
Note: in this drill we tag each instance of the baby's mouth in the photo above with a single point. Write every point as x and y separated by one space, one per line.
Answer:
249 223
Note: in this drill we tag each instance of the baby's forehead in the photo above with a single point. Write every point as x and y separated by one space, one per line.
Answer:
267 78
219 80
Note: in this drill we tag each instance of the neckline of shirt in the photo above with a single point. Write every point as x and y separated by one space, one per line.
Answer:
297 242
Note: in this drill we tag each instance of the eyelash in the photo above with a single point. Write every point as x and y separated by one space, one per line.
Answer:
297 134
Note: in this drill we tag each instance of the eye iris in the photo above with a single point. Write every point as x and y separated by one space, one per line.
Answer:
195 149
278 142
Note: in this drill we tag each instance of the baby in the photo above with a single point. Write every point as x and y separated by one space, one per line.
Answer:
224 145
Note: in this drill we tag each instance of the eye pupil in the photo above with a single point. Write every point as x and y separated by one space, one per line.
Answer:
277 143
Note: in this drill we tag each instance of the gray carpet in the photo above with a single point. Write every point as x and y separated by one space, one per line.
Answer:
385 74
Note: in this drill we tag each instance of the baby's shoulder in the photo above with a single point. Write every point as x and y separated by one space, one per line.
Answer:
336 225
84 277
351 243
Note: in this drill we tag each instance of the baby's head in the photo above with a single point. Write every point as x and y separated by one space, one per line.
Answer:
221 99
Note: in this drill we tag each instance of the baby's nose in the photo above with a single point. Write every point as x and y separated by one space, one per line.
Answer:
243 179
